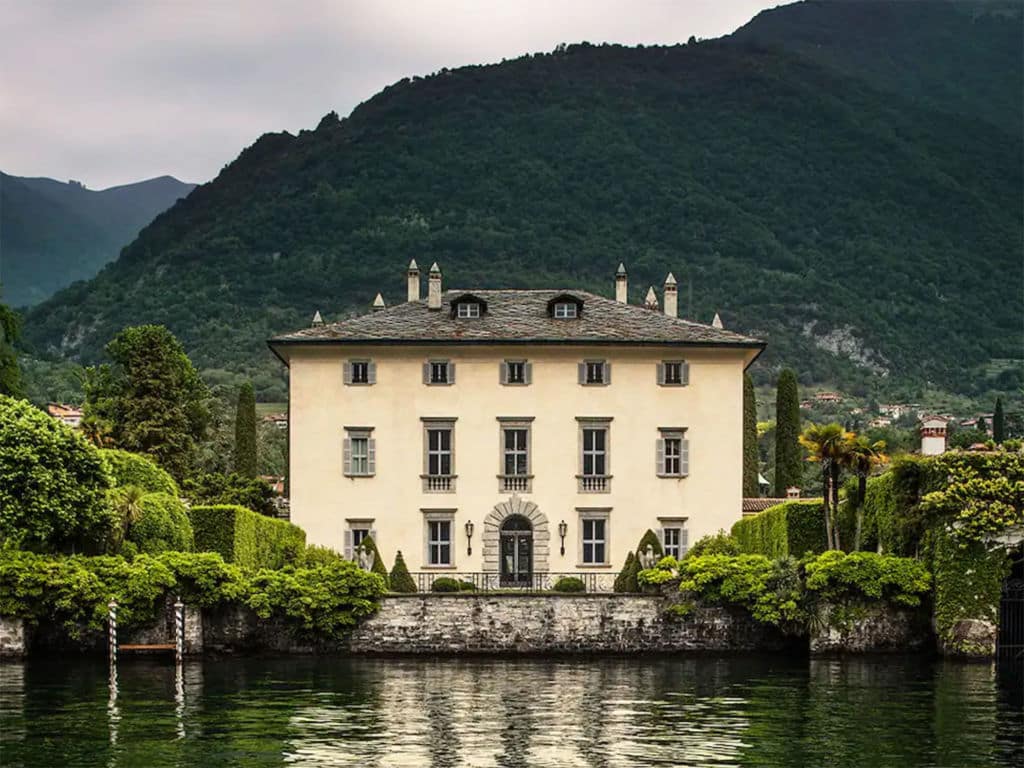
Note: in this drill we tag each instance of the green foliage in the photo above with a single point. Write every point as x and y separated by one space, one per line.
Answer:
378 566
245 432
720 543
218 489
570 584
400 579
315 555
138 470
10 374
788 456
984 496
965 438
793 528
151 400
622 581
836 577
998 422
162 526
666 570
53 484
248 539
446 584
751 463
770 590
649 539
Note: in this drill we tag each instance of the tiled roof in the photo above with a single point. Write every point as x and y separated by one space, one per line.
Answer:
518 316
751 506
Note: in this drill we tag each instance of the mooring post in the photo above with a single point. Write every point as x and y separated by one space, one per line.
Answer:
112 632
179 630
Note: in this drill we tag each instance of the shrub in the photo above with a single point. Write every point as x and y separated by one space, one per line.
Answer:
836 576
400 579
378 566
243 537
135 469
570 584
445 584
219 490
622 580
720 543
53 484
163 525
467 586
315 555
792 528
769 589
650 538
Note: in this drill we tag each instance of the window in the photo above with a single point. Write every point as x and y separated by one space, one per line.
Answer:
673 373
439 372
672 453
514 471
516 372
438 528
674 538
360 451
595 372
439 455
594 526
594 476
358 529
469 309
565 310
360 372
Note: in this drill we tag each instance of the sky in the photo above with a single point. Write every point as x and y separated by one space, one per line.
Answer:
113 91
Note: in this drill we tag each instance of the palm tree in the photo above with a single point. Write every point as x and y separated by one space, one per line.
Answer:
862 457
128 506
828 444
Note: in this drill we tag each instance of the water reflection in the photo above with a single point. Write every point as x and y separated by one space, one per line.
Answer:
511 713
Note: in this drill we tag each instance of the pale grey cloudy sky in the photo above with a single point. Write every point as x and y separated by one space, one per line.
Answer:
110 92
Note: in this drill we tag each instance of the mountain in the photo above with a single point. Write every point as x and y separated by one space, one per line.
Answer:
52 233
868 227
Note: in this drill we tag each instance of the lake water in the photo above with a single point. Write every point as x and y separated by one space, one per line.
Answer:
637 711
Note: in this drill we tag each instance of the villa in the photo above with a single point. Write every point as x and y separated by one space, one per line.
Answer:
514 432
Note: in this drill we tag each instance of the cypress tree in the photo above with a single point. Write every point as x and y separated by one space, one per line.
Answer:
622 579
998 422
788 470
650 538
982 426
378 566
750 455
245 432
401 579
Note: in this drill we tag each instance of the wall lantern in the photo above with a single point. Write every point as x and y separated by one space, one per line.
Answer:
562 530
469 537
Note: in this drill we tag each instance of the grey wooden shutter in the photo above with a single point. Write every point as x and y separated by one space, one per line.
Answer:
684 456
503 372
659 453
581 370
451 373
349 554
426 373
684 373
371 372
347 375
684 541
527 373
661 538
371 456
373 535
661 374
346 458
607 372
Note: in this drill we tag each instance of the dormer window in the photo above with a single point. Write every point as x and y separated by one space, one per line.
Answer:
468 309
565 309
468 306
565 306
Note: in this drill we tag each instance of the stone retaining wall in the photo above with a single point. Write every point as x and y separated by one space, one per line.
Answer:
859 628
13 642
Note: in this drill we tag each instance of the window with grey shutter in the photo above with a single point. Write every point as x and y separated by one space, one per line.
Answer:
581 372
357 372
360 452
528 372
503 372
673 373
371 457
372 372
607 375
670 452
439 372
346 456
686 373
661 374
684 463
659 456
349 549
595 372
514 372
347 376
451 373
426 373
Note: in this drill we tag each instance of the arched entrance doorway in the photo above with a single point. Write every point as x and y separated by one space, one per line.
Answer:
516 551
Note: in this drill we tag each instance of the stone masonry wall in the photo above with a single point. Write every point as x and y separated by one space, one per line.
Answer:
12 638
859 628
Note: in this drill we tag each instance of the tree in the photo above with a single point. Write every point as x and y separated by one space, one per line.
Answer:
53 484
998 422
982 426
788 469
151 398
862 457
10 374
622 580
126 503
401 579
828 445
378 566
750 451
245 432
215 489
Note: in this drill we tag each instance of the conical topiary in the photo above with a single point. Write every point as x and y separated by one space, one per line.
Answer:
630 582
378 563
623 577
401 579
650 538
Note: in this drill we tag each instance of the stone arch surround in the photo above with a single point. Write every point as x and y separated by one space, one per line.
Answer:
492 531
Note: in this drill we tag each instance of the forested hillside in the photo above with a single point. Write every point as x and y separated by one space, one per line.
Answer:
52 233
870 234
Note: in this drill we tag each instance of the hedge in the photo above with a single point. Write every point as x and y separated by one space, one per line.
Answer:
791 528
245 537
134 469
163 526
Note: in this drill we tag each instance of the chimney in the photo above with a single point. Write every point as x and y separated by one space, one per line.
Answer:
671 296
434 287
378 303
621 285
414 282
793 492
717 322
317 320
651 301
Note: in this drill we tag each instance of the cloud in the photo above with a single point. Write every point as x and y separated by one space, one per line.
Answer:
112 92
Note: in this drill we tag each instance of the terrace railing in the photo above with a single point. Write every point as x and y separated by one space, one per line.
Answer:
476 581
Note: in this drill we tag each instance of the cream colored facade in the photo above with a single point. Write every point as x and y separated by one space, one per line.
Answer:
393 503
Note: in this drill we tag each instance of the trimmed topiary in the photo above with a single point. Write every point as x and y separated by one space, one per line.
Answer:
621 579
401 580
163 526
467 586
129 468
246 538
378 566
445 584
570 584
630 583
650 538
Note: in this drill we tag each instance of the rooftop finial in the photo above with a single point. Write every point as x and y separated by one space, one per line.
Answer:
717 322
651 300
317 320
378 303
